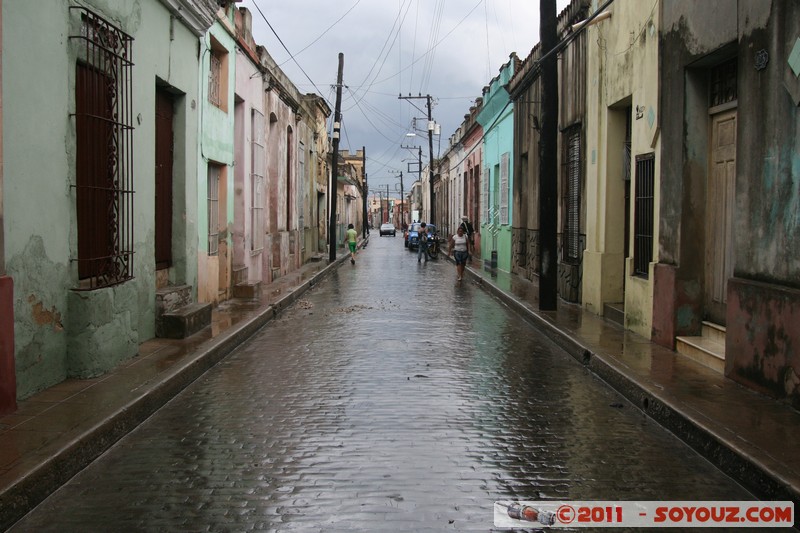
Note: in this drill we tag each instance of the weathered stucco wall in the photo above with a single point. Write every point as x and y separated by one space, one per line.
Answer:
768 162
763 347
622 85
216 146
59 332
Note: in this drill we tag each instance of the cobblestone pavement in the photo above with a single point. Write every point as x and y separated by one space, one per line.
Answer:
389 398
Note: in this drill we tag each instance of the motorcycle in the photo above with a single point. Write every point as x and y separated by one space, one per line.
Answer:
433 246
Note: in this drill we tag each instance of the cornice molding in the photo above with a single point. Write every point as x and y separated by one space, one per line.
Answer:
197 15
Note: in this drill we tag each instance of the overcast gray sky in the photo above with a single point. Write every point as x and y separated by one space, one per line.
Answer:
450 50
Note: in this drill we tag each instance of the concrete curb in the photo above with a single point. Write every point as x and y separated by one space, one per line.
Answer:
20 498
763 481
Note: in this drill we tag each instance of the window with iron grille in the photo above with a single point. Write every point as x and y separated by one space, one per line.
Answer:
213 208
504 171
104 152
218 75
571 191
723 87
485 196
258 164
643 215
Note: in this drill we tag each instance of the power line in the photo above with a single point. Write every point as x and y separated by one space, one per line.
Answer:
287 51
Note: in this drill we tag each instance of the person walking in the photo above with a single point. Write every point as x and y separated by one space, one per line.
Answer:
422 242
459 246
350 239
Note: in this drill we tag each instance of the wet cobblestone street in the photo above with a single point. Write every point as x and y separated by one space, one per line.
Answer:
388 398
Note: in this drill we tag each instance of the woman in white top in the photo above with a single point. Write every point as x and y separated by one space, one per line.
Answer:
459 245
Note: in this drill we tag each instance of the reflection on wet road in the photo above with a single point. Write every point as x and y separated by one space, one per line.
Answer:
389 398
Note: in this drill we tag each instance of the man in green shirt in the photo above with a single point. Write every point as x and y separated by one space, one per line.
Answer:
350 239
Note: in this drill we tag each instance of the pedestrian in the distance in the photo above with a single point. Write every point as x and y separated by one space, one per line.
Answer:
350 238
459 246
422 242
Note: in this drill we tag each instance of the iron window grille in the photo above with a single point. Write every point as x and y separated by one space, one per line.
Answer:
723 88
258 163
643 215
571 192
213 209
215 79
505 161
104 152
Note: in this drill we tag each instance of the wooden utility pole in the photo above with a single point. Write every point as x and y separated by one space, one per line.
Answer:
402 202
365 228
548 167
431 127
430 162
334 183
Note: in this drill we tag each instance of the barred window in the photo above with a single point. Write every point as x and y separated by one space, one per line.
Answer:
643 215
571 191
213 208
214 75
503 203
258 164
723 87
104 152
218 75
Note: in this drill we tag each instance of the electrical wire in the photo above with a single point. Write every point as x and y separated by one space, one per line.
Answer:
287 50
321 35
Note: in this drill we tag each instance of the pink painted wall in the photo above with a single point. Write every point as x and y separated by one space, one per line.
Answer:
762 346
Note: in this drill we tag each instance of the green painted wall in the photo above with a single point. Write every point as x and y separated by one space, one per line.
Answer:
497 119
215 145
61 332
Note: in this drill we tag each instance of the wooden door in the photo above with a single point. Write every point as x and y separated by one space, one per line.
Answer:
720 201
163 179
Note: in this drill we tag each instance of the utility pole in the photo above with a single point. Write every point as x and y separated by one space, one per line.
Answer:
365 228
337 119
402 202
430 161
428 99
388 211
402 209
548 168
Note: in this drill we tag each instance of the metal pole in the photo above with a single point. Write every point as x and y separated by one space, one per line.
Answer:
334 183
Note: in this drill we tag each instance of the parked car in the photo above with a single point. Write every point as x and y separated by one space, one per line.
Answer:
387 229
412 236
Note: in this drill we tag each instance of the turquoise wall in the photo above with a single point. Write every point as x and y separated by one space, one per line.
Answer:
497 119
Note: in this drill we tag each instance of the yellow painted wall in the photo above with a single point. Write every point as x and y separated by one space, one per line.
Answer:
622 74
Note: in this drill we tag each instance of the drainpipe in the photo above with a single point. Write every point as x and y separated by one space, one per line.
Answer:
8 377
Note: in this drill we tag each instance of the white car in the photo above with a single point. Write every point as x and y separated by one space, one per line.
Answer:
387 229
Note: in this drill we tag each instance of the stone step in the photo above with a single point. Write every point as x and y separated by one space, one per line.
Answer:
247 290
172 297
714 332
704 350
615 312
184 322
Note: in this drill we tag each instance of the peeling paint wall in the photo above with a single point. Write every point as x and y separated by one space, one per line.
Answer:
61 332
762 302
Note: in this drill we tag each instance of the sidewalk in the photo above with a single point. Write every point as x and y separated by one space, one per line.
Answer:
750 437
59 431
